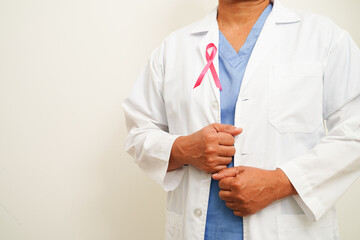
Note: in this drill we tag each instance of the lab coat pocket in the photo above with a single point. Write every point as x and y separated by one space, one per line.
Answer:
295 97
174 224
299 227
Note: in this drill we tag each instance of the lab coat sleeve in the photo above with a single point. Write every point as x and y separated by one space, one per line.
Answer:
148 140
323 174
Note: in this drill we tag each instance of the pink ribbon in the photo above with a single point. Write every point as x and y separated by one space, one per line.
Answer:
210 59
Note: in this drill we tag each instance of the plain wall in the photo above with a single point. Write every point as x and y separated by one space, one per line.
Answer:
65 67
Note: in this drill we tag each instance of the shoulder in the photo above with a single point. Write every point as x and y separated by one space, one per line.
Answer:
318 24
308 27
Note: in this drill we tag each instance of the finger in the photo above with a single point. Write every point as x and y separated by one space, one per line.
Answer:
238 213
232 206
225 184
227 128
226 151
226 195
224 160
219 168
228 172
226 139
221 163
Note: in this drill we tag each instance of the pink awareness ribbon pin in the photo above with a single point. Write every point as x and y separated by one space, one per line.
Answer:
210 59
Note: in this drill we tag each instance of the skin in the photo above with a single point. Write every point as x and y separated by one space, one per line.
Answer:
245 190
209 149
237 17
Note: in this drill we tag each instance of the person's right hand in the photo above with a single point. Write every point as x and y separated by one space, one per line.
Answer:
209 149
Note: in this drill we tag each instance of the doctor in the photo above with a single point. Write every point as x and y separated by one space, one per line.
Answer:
250 120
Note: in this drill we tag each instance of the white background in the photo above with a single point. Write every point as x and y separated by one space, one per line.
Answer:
65 67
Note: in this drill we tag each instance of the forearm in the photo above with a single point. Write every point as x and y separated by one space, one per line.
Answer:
173 165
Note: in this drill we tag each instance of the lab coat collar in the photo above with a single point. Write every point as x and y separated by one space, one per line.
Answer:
282 15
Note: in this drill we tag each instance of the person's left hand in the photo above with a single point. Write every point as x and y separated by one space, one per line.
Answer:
246 190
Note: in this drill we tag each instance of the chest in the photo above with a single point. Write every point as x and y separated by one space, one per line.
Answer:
281 87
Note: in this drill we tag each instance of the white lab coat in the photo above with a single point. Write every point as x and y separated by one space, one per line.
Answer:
304 71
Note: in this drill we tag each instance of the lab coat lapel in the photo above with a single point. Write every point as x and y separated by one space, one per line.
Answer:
212 36
268 40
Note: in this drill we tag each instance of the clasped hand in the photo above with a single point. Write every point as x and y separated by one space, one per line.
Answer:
210 149
245 190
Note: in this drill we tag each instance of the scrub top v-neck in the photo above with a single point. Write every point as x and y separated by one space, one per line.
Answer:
221 223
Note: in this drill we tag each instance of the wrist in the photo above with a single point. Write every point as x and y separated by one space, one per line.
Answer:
284 187
178 152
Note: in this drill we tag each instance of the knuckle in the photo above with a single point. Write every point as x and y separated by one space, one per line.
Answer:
221 167
240 199
238 188
232 140
213 170
228 128
214 137
209 169
237 213
214 125
229 160
221 195
211 137
246 208
217 169
233 151
234 186
209 161
209 149
249 210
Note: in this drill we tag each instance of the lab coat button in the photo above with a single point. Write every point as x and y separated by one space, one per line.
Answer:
214 105
198 212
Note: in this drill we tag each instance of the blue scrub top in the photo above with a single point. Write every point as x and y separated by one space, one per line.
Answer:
221 223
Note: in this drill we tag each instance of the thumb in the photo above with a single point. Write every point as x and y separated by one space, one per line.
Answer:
227 172
230 129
